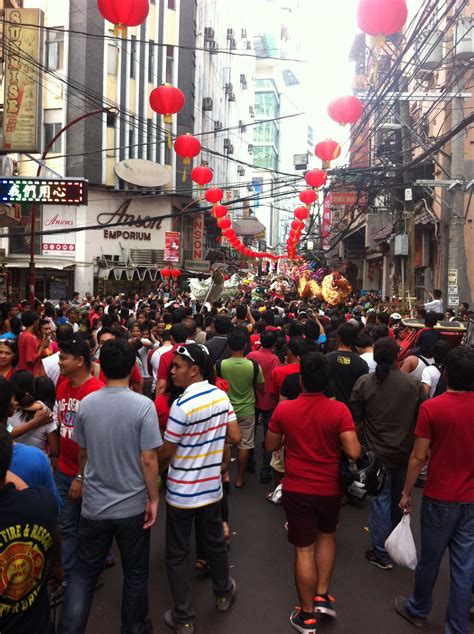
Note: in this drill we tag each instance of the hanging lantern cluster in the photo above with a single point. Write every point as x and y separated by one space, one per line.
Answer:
124 13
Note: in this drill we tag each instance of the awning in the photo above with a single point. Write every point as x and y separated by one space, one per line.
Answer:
41 263
384 233
248 227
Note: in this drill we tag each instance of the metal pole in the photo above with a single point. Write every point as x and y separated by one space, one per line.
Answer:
32 269
456 248
409 209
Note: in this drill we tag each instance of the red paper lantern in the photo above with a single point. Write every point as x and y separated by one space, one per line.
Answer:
202 175
381 18
297 224
308 196
327 151
167 101
165 273
175 273
240 247
345 110
123 13
229 234
187 146
219 211
224 223
315 178
214 195
301 213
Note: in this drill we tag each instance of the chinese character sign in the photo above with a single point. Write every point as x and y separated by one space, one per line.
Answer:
172 246
54 219
43 191
326 223
23 82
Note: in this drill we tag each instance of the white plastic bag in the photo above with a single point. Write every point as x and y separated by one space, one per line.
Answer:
400 544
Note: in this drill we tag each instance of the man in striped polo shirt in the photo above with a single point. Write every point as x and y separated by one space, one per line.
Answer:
201 421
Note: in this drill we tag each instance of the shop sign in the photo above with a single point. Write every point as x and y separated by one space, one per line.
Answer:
452 277
347 198
53 220
44 191
143 173
198 237
326 222
123 217
200 266
172 246
23 83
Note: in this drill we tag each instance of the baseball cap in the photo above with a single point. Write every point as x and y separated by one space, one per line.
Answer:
396 316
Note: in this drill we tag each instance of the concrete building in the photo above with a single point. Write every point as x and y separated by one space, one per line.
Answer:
86 68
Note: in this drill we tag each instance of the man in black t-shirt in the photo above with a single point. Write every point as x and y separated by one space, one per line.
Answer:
28 522
347 365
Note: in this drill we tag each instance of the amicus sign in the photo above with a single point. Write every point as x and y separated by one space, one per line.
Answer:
143 173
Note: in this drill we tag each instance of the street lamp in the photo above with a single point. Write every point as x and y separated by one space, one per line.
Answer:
32 269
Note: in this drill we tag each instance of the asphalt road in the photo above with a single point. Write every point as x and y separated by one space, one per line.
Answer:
261 561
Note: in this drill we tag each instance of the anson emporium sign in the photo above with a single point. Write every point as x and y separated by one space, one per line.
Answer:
43 191
122 216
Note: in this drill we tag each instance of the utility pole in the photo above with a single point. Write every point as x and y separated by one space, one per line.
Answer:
407 153
457 260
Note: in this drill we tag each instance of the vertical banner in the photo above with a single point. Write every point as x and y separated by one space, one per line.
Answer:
172 246
326 222
198 237
58 218
23 81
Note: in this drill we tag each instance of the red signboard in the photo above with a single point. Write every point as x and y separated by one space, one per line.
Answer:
172 246
326 222
198 237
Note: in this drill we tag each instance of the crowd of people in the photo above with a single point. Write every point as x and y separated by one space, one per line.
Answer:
103 401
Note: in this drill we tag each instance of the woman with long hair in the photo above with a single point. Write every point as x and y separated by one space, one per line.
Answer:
8 357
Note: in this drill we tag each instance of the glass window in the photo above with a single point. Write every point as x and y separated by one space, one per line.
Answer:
266 104
112 59
20 236
50 131
131 141
265 156
54 49
264 83
266 132
133 57
169 64
150 140
151 61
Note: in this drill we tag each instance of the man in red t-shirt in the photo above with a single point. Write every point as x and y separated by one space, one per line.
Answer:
178 337
30 345
445 433
314 429
292 365
75 366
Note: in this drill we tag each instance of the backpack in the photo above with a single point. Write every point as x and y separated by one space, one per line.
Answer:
442 384
422 358
256 368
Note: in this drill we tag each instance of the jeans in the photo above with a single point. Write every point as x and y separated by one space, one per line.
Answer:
179 524
94 541
445 525
384 511
265 470
69 516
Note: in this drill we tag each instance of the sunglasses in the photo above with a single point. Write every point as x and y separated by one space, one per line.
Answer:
183 351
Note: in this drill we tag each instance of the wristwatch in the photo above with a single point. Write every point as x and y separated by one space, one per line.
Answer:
79 477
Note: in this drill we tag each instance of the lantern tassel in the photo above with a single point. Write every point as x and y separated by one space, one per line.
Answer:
186 163
326 165
168 121
120 30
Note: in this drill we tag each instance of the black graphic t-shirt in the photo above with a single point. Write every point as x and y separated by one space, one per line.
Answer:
27 524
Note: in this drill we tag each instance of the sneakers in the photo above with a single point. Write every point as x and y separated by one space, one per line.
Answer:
401 608
224 602
324 604
375 561
307 626
179 628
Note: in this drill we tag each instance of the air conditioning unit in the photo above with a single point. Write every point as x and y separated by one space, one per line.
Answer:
242 126
213 47
250 148
243 34
241 170
243 81
236 193
249 45
217 125
226 143
230 34
232 96
401 244
209 34
251 111
229 88
230 149
233 44
207 104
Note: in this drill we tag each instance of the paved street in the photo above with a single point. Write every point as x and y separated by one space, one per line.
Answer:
261 561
